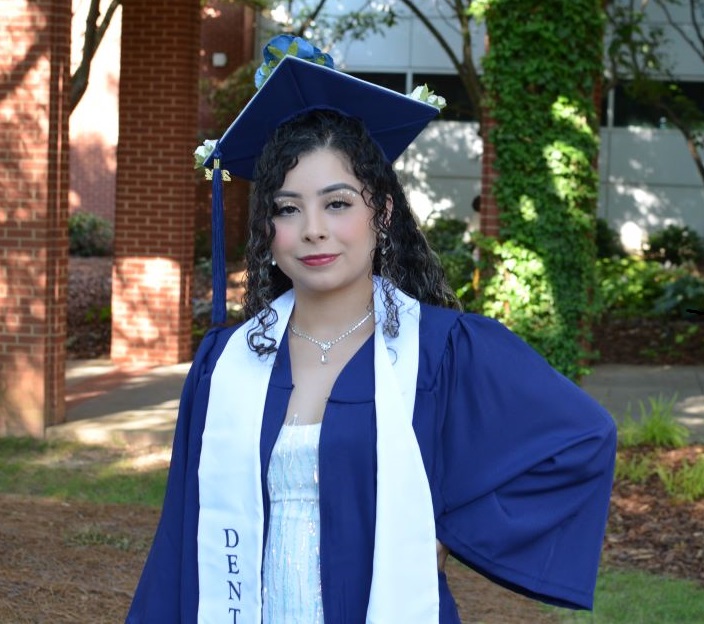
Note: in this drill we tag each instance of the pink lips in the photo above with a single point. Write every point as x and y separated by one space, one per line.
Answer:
318 260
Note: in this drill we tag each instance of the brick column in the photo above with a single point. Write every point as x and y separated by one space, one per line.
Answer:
34 64
155 195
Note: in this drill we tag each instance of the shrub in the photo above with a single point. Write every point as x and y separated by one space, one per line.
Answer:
634 469
630 286
89 235
686 482
446 236
608 241
677 245
655 427
684 293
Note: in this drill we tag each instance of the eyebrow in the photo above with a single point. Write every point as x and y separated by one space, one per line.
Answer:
340 186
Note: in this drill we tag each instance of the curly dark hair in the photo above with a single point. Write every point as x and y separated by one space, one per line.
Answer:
408 262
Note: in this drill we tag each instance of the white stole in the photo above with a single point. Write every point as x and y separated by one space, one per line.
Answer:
404 584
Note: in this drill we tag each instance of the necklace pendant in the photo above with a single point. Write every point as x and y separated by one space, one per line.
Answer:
324 358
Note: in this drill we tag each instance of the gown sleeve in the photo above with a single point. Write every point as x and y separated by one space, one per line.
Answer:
526 469
168 587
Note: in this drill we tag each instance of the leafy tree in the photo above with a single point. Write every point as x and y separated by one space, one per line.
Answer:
637 60
540 75
460 14
302 19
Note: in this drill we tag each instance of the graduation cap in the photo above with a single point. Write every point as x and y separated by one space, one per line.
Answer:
296 78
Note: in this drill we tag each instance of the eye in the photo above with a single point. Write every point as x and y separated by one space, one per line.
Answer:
339 204
284 210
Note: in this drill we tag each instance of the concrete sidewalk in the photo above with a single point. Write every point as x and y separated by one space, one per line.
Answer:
111 405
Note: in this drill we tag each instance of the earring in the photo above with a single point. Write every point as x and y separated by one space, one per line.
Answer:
384 243
273 262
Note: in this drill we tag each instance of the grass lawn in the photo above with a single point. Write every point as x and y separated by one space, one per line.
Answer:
73 472
633 597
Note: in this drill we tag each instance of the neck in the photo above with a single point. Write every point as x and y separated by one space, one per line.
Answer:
326 315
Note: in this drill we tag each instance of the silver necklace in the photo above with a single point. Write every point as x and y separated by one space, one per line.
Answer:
325 346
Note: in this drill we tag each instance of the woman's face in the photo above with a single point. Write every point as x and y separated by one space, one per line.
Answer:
324 239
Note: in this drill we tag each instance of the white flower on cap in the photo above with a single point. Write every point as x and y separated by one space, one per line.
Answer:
423 94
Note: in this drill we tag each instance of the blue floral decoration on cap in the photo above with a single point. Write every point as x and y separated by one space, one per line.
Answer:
282 46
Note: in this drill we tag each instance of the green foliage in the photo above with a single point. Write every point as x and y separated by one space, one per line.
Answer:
631 287
636 469
89 235
608 242
230 96
680 295
97 314
309 20
202 249
630 597
683 483
686 482
676 245
447 237
540 92
656 426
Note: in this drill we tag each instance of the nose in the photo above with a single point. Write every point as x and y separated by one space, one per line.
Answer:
314 228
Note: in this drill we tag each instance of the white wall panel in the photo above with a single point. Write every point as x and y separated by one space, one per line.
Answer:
387 52
648 156
426 53
441 170
652 208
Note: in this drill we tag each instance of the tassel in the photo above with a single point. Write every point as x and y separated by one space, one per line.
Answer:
219 311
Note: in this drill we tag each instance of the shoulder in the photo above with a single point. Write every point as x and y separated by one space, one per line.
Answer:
463 341
441 327
442 331
210 349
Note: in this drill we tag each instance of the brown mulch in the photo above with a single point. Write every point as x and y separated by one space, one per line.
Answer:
89 294
55 566
651 531
650 341
74 562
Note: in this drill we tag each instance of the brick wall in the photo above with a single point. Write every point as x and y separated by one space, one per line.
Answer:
34 63
155 195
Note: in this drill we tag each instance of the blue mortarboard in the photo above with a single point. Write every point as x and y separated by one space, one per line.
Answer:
297 86
292 86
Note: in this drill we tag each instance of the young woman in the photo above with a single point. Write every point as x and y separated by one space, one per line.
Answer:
333 449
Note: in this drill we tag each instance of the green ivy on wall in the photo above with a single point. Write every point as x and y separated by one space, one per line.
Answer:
540 76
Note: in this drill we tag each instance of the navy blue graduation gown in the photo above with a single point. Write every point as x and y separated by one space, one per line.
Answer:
519 461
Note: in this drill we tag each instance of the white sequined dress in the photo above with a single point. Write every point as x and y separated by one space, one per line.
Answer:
291 584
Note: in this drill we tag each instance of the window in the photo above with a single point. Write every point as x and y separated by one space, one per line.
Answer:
449 86
629 111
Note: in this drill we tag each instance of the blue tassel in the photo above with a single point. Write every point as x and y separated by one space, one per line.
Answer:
219 311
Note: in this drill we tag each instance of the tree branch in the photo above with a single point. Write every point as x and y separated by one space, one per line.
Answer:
435 33
464 67
685 129
311 18
93 36
687 39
